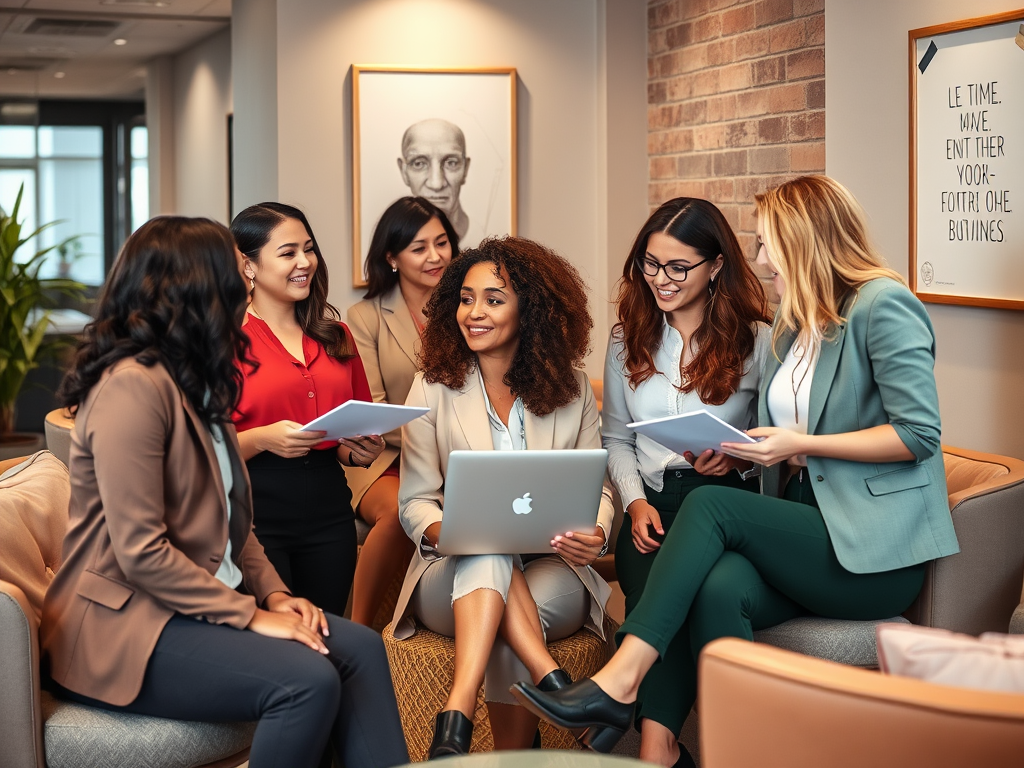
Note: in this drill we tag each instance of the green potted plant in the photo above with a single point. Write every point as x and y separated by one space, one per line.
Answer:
25 303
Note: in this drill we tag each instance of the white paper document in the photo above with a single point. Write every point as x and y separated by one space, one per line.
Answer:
357 417
695 432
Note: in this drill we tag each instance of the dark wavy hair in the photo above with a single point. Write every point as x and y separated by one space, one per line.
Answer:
396 229
726 336
318 318
174 296
554 323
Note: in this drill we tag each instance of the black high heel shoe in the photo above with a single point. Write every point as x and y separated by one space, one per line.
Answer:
554 680
581 707
453 732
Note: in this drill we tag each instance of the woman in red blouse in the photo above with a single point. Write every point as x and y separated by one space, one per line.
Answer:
308 364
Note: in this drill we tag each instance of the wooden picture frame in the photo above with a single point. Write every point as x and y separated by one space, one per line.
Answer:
966 160
393 108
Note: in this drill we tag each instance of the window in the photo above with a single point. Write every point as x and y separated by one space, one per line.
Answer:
84 166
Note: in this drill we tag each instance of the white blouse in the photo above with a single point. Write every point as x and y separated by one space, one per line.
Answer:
228 572
636 459
789 393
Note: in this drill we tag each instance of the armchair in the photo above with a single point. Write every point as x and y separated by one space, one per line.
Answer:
39 730
770 707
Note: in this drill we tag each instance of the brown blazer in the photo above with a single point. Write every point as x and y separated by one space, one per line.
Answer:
458 422
388 345
147 532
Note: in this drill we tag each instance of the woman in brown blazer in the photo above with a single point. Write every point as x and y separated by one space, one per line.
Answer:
165 603
509 327
411 247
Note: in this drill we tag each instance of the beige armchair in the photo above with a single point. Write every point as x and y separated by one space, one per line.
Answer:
38 730
763 706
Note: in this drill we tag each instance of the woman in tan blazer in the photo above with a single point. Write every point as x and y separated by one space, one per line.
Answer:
166 604
508 328
411 247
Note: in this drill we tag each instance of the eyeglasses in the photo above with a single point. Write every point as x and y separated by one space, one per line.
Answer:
674 271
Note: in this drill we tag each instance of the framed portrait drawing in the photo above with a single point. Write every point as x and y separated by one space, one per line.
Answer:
446 135
966 163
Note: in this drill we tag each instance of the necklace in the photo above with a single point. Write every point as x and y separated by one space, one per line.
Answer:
252 308
796 385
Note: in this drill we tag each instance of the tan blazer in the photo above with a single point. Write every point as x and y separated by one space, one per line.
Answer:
147 532
388 345
457 422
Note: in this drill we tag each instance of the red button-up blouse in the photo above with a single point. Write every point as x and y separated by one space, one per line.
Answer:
286 388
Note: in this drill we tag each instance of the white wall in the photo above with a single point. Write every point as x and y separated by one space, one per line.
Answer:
574 115
979 365
202 101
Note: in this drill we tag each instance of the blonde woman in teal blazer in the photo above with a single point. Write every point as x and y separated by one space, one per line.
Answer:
854 495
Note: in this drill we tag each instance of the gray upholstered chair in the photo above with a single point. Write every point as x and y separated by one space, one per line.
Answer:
36 729
974 591
58 426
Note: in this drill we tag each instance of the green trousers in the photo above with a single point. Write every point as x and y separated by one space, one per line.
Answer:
733 562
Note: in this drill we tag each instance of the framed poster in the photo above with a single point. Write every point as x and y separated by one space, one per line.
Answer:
967 162
446 135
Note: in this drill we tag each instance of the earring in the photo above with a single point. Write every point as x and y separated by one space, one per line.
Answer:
394 269
711 287
252 284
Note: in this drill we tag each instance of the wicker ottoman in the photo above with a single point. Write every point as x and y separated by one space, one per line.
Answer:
421 670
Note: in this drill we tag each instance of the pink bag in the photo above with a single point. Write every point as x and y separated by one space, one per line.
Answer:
993 662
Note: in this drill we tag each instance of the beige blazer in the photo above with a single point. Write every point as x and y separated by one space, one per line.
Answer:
458 421
388 345
147 532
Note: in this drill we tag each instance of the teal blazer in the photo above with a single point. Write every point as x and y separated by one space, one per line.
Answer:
877 368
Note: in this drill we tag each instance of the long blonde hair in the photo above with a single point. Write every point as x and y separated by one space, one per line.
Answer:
816 237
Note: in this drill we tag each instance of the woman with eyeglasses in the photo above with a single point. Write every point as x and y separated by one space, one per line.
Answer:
850 415
692 335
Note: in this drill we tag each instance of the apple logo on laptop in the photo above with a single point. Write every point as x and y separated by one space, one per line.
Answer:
522 506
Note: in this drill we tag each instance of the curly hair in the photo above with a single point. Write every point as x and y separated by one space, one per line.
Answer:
397 227
319 319
174 296
726 335
554 323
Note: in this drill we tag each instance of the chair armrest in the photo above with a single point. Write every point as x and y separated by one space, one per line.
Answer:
21 719
806 712
978 589
1017 621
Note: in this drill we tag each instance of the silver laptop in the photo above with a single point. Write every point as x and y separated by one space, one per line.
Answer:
515 502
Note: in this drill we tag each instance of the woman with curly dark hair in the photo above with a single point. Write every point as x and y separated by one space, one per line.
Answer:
692 335
165 603
307 365
508 328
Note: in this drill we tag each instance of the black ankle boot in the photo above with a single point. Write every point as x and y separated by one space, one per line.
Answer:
685 758
554 680
453 732
582 706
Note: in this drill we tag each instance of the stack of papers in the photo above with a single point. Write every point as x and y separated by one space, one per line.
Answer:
695 432
357 417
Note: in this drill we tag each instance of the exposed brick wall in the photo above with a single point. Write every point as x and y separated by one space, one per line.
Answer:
736 100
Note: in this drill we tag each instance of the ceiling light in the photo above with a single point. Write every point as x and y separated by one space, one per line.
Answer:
120 41
58 75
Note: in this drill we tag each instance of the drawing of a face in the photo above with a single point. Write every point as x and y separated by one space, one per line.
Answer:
434 163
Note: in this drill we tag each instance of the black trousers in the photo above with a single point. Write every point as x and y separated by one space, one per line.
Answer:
302 515
214 673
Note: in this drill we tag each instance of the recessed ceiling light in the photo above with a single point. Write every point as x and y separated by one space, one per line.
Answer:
120 41
58 75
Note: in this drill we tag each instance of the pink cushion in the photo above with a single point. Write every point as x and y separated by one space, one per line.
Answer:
33 519
993 662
